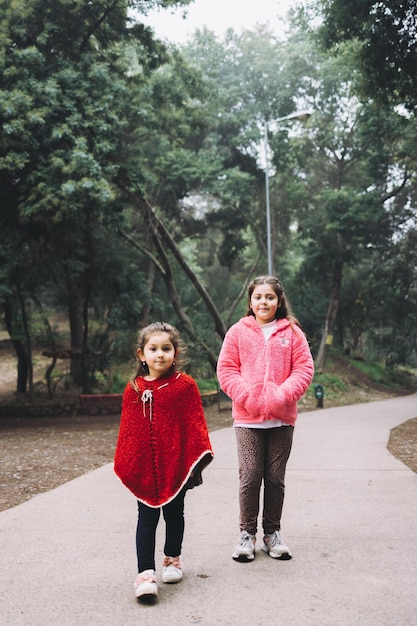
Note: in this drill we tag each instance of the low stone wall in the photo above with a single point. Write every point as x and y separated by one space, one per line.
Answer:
209 398
41 410
100 403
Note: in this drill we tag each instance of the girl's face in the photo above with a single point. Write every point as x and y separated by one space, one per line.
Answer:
264 303
159 354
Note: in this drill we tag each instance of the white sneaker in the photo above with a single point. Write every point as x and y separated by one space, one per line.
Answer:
145 584
171 569
275 547
245 549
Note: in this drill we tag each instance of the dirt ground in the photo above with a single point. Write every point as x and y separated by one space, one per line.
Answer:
40 453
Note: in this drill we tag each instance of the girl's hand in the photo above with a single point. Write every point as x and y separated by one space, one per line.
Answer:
274 397
253 401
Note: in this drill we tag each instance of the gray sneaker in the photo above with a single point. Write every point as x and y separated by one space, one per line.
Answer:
245 549
275 547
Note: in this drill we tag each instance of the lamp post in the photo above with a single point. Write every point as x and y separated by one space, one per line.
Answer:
301 116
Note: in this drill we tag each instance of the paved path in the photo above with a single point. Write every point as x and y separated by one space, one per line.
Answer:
68 556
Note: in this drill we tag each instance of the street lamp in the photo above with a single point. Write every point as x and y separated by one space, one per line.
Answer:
301 116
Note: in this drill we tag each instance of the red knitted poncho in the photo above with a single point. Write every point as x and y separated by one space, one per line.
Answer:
163 438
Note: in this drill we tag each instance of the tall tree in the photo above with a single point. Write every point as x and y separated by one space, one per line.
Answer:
66 109
387 34
354 164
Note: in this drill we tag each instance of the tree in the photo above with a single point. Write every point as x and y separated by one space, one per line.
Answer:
355 165
387 34
66 109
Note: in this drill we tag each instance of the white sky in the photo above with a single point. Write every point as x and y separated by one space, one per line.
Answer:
219 15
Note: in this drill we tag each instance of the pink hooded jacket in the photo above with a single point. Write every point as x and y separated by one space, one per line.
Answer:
264 380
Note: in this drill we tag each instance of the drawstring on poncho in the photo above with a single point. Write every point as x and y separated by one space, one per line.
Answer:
147 397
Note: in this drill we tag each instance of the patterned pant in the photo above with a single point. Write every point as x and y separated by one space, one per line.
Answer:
263 454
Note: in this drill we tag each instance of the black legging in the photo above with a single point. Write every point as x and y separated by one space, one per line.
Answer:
148 519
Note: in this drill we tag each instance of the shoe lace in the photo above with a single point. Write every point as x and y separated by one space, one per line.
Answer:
172 560
143 577
275 539
246 541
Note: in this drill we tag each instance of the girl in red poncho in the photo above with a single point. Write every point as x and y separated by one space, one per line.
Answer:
162 448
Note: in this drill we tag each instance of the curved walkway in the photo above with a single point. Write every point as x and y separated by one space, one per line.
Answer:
68 556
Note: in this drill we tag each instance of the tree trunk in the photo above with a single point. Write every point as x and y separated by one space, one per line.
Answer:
28 342
243 291
170 243
19 347
76 321
331 315
176 302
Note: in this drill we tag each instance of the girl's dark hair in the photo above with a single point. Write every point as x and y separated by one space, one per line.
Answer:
284 309
143 337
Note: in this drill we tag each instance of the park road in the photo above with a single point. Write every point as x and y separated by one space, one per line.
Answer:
68 556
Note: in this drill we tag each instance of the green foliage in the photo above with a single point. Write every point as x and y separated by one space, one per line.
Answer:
387 33
332 384
68 107
379 373
104 132
207 384
348 374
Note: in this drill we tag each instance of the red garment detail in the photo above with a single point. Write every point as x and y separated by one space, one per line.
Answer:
163 439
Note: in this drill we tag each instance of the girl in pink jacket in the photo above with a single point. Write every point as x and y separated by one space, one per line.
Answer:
265 366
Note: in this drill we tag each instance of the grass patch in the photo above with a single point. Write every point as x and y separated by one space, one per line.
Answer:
376 372
207 384
391 378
